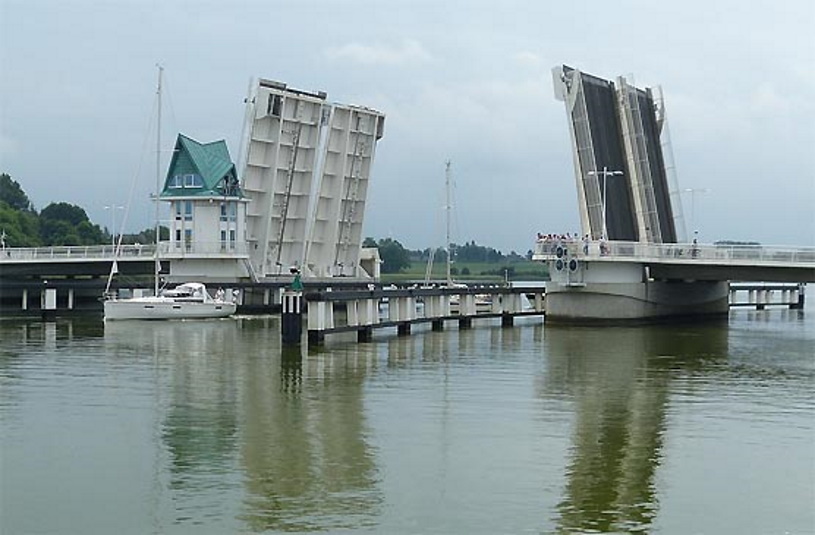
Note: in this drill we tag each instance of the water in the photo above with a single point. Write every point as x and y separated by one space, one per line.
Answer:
207 427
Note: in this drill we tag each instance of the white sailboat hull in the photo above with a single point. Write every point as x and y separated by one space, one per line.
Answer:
163 308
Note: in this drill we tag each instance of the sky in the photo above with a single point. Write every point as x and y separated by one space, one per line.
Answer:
462 81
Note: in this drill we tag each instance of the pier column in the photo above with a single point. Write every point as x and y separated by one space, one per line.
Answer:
24 304
291 318
320 318
352 312
70 298
365 334
48 303
539 302
368 312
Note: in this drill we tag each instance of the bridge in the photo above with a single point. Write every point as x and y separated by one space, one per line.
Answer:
634 261
675 261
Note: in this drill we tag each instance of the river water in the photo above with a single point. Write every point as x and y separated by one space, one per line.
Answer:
209 427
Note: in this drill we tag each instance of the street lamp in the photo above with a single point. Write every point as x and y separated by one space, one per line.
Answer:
605 173
693 192
112 209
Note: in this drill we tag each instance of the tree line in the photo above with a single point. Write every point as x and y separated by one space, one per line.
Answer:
59 223
395 257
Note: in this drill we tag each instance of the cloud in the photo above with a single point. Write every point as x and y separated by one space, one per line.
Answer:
529 59
408 51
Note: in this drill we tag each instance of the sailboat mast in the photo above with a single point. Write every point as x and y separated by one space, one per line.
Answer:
447 208
157 264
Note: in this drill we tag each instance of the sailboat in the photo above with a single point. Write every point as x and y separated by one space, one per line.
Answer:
190 300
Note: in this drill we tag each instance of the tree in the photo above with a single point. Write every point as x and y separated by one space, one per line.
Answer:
13 195
369 242
394 256
67 224
148 235
22 228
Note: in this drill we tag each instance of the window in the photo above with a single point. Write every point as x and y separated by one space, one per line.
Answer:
188 239
229 211
177 211
193 181
176 182
187 210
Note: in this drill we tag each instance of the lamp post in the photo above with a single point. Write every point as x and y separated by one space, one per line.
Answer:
605 173
693 192
112 209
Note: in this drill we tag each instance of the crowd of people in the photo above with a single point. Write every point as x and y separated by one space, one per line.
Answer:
553 241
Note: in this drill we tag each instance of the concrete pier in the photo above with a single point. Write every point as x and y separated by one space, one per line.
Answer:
366 310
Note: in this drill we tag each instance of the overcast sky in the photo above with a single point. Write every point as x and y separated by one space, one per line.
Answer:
466 81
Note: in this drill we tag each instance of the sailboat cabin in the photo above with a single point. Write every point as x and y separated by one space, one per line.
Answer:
207 206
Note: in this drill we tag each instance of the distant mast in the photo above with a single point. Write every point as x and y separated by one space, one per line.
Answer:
157 262
447 208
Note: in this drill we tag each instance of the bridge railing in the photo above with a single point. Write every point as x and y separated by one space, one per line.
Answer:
74 252
676 252
125 252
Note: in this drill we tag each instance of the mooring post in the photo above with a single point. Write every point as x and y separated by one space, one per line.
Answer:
799 305
291 318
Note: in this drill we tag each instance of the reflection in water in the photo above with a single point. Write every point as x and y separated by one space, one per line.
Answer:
235 397
619 382
305 451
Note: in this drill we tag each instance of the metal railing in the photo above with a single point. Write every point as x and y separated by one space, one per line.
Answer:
78 253
723 254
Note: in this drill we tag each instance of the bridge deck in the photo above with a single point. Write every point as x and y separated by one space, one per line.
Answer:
692 261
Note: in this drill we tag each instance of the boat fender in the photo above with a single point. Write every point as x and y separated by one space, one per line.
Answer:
573 265
559 265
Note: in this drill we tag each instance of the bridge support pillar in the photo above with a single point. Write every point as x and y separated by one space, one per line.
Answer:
607 291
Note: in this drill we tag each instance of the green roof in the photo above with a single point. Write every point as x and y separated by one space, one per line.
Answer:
201 170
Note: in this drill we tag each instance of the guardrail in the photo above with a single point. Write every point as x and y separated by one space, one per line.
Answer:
77 253
677 252
74 252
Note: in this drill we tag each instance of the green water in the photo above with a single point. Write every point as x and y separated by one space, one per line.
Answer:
207 427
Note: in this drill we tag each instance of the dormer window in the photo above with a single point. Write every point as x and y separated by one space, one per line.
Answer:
193 181
189 180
